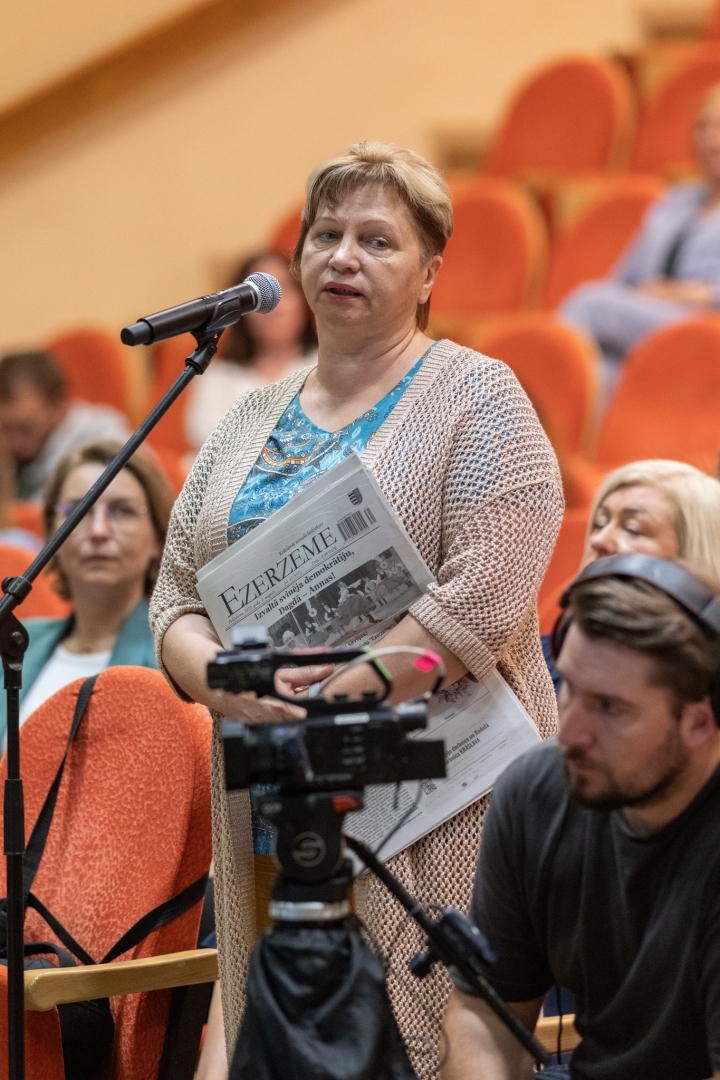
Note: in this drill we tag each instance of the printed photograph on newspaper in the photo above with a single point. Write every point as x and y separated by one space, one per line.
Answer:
333 568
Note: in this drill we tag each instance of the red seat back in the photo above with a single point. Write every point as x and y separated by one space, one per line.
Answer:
168 361
664 142
96 367
564 565
287 232
495 259
43 601
667 401
711 30
576 115
558 369
131 829
590 246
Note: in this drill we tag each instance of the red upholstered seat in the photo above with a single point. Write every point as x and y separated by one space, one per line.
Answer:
664 141
496 256
131 829
564 566
558 369
96 366
666 406
576 115
711 30
286 234
168 438
591 245
43 601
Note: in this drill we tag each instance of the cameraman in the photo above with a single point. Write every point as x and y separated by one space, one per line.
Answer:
600 862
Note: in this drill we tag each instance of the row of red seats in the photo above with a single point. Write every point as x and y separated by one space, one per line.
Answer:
587 115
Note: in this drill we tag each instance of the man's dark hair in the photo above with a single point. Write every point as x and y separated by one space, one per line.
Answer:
40 370
639 616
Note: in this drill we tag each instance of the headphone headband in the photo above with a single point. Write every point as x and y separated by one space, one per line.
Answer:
679 584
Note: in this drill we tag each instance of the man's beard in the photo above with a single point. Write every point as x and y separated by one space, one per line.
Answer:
660 773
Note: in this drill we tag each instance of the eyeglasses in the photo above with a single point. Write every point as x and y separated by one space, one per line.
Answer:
121 516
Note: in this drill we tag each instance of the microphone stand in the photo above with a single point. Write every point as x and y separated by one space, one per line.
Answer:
13 643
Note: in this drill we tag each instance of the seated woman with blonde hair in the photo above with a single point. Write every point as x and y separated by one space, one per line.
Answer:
657 507
107 567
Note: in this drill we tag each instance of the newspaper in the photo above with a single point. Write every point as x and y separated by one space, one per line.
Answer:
335 566
485 728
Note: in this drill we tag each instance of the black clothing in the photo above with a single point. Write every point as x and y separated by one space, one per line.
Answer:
546 642
630 924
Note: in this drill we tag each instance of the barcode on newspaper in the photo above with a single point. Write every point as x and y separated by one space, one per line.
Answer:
356 523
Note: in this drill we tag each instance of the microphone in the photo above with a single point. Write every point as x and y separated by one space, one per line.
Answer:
259 292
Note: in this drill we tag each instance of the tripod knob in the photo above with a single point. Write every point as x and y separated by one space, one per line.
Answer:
421 965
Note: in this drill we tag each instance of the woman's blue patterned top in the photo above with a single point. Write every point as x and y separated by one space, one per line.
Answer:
297 451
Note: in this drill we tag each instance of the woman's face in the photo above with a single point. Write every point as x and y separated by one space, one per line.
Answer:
283 326
362 265
707 138
637 518
116 542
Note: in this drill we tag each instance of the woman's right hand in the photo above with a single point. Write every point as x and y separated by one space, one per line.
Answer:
189 645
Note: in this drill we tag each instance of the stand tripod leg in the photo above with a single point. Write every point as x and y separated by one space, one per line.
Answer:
14 845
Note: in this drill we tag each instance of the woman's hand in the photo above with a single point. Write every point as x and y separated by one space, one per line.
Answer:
693 293
189 645
295 682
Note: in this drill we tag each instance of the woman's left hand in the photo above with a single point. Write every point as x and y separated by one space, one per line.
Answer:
295 681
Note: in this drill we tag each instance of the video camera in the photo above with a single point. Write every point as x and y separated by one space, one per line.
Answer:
344 743
317 769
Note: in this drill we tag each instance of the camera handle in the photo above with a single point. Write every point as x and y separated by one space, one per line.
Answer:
313 886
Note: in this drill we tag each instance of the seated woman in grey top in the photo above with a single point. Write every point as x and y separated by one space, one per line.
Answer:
671 270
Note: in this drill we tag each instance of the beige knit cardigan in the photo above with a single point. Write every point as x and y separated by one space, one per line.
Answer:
463 460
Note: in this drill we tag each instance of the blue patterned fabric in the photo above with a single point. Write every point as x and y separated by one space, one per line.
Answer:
296 451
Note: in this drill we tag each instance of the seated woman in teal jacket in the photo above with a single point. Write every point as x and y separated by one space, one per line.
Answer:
107 568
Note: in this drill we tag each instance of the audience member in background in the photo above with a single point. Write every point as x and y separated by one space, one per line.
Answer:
600 862
107 568
11 533
663 508
672 269
39 424
258 349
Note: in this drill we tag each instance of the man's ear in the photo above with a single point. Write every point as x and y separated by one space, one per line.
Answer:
697 723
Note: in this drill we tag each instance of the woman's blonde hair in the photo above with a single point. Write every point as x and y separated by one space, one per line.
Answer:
417 182
152 479
694 498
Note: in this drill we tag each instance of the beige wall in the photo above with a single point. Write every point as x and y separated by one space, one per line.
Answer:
136 209
43 39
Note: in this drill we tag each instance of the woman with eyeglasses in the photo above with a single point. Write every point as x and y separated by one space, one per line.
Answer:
107 568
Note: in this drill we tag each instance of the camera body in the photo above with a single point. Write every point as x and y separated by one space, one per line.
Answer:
342 745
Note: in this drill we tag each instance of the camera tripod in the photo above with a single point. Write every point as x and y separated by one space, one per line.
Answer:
317 1005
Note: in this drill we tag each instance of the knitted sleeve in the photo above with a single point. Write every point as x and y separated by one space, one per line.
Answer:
175 593
502 509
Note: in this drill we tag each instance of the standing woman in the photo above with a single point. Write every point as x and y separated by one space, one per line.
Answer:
458 450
